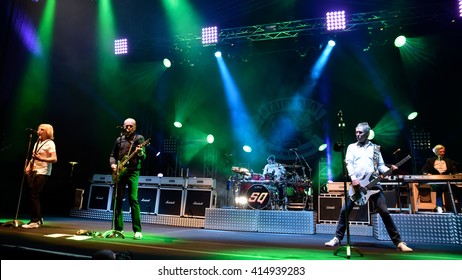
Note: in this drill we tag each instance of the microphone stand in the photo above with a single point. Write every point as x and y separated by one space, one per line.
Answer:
348 248
16 223
304 178
115 233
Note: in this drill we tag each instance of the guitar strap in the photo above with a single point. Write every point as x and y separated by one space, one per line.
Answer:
131 146
376 159
37 148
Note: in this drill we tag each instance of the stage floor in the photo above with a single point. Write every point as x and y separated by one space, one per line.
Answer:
58 239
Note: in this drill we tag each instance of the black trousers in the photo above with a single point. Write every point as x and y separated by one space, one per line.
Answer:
381 208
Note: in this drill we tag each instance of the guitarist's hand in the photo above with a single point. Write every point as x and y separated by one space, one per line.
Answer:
139 151
355 183
114 167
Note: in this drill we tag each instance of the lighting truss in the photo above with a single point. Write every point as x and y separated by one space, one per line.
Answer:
315 26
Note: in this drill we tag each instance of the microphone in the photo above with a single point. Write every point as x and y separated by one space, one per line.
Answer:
31 130
292 149
340 116
120 127
397 151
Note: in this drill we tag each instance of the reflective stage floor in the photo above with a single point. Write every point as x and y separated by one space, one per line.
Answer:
58 239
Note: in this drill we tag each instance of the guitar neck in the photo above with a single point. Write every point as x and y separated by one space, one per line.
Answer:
389 171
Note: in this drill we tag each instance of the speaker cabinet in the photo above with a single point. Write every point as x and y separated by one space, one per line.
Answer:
170 201
196 201
147 198
99 197
329 208
125 203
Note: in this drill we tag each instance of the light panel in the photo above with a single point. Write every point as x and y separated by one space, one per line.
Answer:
336 20
120 46
209 35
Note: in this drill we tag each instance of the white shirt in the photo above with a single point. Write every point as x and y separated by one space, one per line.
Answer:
45 148
360 160
277 168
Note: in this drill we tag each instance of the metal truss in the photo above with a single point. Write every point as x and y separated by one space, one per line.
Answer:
298 28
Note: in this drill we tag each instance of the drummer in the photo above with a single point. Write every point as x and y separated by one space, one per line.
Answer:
276 172
273 170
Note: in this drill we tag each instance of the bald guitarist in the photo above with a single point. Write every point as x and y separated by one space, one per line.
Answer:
125 159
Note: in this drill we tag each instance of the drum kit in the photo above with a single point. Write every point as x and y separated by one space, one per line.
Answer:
265 192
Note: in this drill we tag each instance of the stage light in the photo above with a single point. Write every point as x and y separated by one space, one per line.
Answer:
400 41
120 46
322 147
331 43
371 135
412 116
247 148
209 36
167 63
460 8
217 54
336 20
210 138
178 124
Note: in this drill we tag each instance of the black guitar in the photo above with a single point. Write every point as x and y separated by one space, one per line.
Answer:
121 164
360 194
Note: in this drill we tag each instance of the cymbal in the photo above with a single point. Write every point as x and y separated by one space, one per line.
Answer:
240 170
291 165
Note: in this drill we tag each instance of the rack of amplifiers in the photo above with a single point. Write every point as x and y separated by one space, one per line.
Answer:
171 196
330 205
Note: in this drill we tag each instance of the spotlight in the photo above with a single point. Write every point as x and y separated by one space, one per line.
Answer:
371 135
400 41
247 148
178 124
217 54
412 116
322 147
167 63
331 43
210 138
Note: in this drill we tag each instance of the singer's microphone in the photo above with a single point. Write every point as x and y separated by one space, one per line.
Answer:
292 149
340 115
397 151
31 130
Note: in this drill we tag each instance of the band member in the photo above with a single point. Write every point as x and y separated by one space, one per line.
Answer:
275 172
439 164
38 170
364 157
129 146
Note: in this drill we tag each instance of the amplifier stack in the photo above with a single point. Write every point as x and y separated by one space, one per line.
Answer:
171 196
330 205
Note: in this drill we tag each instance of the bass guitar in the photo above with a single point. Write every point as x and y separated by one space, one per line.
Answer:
360 194
121 164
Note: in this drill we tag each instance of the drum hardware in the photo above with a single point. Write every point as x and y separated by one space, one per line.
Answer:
241 170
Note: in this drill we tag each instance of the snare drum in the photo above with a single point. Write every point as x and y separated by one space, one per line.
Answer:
261 196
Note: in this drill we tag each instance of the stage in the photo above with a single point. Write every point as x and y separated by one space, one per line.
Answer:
189 238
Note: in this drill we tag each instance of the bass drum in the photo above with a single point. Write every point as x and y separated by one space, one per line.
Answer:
262 196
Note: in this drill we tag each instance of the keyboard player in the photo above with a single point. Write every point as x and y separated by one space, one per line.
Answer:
441 165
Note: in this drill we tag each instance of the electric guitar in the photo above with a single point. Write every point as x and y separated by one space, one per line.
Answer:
360 194
121 163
